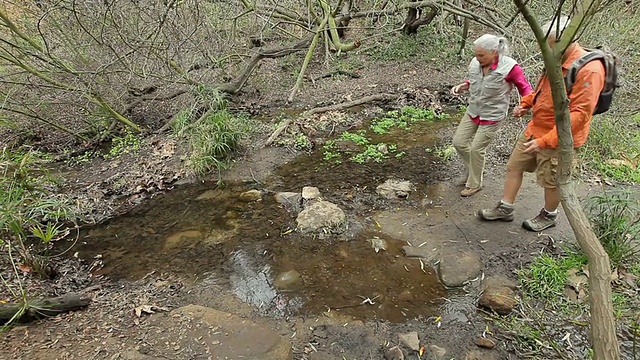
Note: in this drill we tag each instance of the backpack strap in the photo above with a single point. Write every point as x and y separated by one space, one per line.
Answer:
572 71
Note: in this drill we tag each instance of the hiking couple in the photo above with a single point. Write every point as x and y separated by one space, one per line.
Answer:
492 75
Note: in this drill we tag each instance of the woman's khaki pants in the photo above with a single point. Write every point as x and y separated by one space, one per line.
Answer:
471 141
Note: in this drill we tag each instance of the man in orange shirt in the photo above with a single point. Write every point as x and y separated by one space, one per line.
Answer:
537 149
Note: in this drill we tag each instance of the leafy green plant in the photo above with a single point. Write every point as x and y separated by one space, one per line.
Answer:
82 158
32 216
370 153
330 154
128 143
403 118
615 218
445 153
359 138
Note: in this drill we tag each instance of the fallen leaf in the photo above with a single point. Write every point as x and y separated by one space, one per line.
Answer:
614 275
582 295
148 309
620 162
576 280
25 268
585 270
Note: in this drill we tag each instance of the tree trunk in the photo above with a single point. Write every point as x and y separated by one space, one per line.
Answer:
463 38
603 328
416 18
42 308
603 332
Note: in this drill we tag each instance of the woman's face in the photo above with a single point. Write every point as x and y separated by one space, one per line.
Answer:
485 57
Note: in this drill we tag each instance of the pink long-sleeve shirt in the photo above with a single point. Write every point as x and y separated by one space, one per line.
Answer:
515 77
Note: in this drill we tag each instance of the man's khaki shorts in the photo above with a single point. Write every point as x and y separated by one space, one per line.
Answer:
544 163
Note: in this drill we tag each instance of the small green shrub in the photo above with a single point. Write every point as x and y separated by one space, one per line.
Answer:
545 278
615 218
213 135
213 139
614 153
446 153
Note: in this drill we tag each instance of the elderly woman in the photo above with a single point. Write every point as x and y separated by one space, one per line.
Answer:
492 75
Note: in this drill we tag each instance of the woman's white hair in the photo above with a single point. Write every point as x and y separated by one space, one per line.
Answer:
554 28
492 43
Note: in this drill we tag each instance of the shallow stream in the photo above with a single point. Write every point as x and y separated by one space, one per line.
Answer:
205 230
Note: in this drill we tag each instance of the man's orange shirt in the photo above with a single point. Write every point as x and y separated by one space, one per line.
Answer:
582 102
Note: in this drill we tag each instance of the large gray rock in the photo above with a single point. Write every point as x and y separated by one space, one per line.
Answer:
235 337
458 267
321 214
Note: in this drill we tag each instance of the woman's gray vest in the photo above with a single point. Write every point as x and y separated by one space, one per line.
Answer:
489 95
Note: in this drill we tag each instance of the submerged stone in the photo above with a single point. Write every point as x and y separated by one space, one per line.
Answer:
210 194
286 279
251 195
290 200
186 238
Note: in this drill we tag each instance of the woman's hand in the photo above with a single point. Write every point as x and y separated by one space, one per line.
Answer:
519 111
456 90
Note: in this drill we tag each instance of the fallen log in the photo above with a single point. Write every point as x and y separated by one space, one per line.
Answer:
22 313
350 104
336 107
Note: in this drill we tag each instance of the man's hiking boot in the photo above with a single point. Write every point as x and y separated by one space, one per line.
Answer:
502 212
543 221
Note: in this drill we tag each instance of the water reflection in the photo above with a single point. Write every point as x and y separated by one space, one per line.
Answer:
253 283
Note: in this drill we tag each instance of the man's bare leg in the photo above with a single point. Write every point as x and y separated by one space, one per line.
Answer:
512 185
551 199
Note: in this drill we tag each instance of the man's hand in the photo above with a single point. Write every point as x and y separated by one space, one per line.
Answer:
531 147
459 88
519 111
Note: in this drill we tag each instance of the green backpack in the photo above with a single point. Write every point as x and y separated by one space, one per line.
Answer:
610 63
